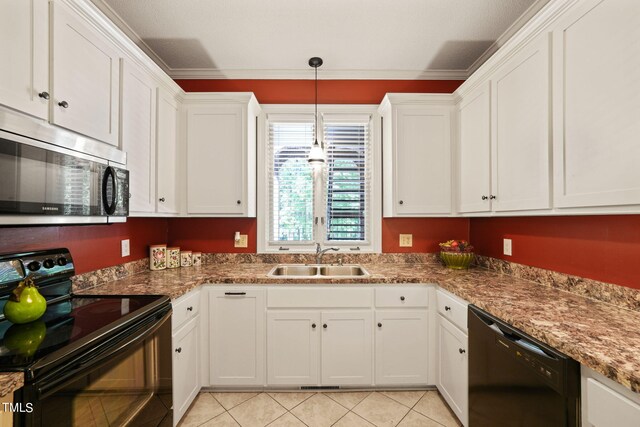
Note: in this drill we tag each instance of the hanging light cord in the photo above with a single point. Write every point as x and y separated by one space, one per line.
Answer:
316 116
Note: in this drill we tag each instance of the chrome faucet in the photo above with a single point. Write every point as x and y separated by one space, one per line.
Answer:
321 252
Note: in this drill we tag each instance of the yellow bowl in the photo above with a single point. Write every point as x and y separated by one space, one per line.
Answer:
457 260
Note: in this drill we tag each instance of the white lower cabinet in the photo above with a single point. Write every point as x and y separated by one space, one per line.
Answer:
607 403
185 327
402 347
186 379
301 344
293 347
347 341
453 371
236 336
452 378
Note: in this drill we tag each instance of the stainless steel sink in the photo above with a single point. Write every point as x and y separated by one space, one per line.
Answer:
294 270
343 270
318 271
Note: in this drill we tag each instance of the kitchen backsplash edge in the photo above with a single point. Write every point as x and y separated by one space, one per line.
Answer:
620 296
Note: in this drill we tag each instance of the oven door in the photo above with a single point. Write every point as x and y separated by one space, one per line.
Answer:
126 381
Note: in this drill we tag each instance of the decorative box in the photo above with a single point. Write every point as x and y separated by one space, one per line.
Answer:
173 257
158 257
196 259
185 259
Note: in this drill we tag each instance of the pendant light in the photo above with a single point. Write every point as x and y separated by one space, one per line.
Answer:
316 155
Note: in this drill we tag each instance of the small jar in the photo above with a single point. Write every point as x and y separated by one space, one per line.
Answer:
157 257
185 259
196 259
173 257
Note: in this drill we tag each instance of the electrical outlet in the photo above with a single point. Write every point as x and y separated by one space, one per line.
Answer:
125 249
506 246
243 242
406 240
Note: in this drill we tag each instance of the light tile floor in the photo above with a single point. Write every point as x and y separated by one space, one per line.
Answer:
340 409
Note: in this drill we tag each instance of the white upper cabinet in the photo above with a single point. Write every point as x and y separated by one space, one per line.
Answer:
416 145
24 47
597 105
521 156
138 121
86 77
474 167
221 154
167 153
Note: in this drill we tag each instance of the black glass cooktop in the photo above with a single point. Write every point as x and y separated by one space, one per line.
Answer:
64 323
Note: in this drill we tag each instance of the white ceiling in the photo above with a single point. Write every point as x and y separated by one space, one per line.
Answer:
402 39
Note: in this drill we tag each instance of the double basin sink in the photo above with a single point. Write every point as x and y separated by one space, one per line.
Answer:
318 271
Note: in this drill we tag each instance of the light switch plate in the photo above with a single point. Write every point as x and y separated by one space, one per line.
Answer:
506 244
406 240
243 242
125 249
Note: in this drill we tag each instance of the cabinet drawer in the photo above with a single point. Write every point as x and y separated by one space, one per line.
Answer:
606 407
311 297
185 308
402 297
453 308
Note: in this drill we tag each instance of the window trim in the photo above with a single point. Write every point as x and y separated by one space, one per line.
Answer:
375 203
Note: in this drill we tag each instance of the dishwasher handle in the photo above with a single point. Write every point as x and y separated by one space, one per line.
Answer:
521 342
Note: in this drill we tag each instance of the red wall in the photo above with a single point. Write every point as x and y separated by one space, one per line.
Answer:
605 248
92 246
211 234
329 91
427 232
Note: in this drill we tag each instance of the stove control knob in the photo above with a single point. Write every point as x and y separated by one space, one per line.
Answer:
48 263
33 266
62 261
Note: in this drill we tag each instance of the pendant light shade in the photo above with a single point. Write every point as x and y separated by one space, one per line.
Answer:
316 155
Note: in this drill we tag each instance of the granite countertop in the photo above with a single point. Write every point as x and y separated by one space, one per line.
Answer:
601 336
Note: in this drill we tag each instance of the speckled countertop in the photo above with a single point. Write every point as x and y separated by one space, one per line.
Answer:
602 336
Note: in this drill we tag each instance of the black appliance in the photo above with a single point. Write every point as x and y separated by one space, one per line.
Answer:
45 183
516 380
90 360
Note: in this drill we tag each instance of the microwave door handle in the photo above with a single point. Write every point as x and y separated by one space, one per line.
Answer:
109 208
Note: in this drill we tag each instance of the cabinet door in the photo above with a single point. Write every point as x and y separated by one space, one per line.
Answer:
293 347
86 77
347 348
422 181
521 141
216 160
237 336
139 136
402 355
597 105
474 168
186 376
24 47
453 369
167 137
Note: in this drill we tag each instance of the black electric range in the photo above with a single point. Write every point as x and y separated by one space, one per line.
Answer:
90 359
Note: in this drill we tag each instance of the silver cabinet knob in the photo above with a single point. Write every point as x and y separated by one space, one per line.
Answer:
44 95
63 104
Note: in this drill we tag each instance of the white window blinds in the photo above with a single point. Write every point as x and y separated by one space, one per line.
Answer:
290 181
348 180
327 206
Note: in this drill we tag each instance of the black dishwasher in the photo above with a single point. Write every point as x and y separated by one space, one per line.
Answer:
517 381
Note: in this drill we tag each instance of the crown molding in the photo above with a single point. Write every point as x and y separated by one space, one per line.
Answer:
206 73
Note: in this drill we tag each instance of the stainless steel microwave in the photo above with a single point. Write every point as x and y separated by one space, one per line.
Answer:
46 183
